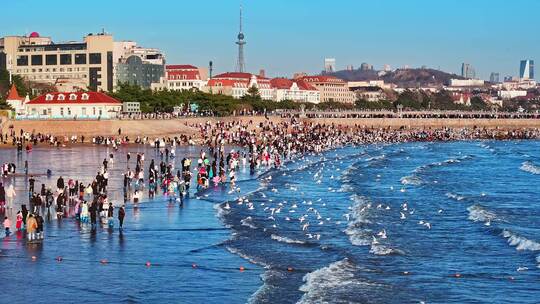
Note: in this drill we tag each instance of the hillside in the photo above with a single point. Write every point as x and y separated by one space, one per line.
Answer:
401 77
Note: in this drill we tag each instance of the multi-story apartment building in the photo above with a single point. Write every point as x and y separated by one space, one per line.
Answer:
185 77
331 88
39 59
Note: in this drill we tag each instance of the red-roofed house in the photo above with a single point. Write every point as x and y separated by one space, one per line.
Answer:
184 77
237 84
84 105
295 90
462 98
15 101
331 88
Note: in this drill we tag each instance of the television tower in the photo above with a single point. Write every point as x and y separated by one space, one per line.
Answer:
240 64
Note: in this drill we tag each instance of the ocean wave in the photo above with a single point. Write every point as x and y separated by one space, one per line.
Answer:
449 161
375 158
248 222
244 256
378 249
478 213
520 242
287 240
358 234
455 196
330 283
411 180
530 167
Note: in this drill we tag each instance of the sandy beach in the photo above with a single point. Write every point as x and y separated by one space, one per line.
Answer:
186 126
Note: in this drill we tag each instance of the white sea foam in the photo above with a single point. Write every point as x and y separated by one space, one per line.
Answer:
248 222
358 234
530 167
327 284
241 254
520 242
455 196
375 158
378 249
284 239
478 213
411 180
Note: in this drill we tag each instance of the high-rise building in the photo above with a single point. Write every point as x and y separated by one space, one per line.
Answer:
468 71
526 69
241 63
494 77
366 67
329 65
82 65
137 65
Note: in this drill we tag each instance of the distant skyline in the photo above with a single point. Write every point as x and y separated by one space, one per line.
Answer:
284 37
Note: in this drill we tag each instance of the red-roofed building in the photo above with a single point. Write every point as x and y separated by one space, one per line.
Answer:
183 77
236 84
84 105
295 90
462 98
15 101
331 88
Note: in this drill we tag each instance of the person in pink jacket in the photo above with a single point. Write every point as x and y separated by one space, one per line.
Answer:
7 225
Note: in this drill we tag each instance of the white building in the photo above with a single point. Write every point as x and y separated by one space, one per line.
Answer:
237 84
512 94
295 90
466 82
79 105
16 102
185 77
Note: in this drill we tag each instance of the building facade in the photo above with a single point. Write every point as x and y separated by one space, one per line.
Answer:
526 69
185 77
74 105
468 71
295 90
237 84
331 88
16 102
494 77
329 65
137 65
39 59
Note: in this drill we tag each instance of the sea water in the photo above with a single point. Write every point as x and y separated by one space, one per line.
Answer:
405 223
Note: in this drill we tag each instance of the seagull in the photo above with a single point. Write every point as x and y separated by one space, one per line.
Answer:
428 225
227 207
375 241
402 216
305 227
440 211
382 234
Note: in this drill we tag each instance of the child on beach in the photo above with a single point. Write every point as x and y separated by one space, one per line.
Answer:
7 225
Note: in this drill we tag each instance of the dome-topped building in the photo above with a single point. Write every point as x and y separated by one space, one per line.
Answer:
34 35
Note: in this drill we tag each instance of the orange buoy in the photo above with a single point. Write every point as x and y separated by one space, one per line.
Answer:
59 258
289 269
148 264
34 258
242 268
104 261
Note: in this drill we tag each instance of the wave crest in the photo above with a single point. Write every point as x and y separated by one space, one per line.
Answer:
530 167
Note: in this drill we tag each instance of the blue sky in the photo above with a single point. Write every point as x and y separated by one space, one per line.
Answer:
287 36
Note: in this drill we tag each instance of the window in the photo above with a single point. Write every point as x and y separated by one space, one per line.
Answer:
51 60
95 58
65 59
22 60
83 111
69 111
61 111
37 59
61 97
84 96
48 97
80 58
44 111
72 97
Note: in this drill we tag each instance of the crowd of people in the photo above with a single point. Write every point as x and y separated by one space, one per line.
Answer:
225 147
